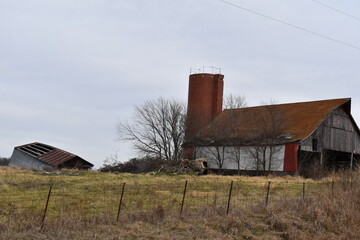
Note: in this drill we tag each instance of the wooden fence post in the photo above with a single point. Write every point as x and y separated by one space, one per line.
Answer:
215 201
229 199
46 207
267 194
120 201
183 199
303 193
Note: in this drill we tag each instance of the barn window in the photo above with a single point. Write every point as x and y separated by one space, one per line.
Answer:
314 144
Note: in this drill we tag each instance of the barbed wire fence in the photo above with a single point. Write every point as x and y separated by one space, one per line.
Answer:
134 200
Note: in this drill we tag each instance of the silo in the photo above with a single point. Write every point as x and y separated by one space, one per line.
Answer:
204 104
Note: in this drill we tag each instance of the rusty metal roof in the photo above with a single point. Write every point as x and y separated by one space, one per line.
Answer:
271 124
48 154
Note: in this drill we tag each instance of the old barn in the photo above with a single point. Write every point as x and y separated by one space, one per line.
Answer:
39 156
303 137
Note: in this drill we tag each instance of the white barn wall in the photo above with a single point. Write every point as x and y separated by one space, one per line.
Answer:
247 162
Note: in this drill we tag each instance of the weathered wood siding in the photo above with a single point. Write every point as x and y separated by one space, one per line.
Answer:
336 133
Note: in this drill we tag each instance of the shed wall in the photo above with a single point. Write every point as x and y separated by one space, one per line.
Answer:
20 159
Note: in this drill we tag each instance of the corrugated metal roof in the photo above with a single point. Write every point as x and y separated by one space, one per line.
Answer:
48 154
281 123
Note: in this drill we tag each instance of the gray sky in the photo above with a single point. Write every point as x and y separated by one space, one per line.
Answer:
69 70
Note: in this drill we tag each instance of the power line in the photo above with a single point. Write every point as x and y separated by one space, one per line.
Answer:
337 10
291 25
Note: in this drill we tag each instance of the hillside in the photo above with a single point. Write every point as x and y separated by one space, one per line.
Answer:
85 205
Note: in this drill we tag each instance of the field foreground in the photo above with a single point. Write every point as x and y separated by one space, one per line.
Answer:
85 205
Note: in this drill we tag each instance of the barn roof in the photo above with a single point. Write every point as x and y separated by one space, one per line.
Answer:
49 154
271 124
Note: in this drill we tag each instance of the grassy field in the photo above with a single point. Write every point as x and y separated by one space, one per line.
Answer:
84 205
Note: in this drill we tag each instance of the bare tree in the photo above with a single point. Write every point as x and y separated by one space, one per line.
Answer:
234 101
266 136
217 152
231 102
156 130
252 138
235 155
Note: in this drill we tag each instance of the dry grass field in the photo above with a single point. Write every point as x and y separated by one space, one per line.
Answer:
84 205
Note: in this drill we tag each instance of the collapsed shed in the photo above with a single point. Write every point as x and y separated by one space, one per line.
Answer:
39 156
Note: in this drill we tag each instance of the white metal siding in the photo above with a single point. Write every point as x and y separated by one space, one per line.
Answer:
20 159
247 161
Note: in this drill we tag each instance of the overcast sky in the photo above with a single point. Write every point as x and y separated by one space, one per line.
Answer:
69 70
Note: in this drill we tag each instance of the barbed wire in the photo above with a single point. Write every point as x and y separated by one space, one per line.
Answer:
94 200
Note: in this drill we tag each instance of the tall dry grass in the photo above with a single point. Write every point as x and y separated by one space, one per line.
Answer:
323 213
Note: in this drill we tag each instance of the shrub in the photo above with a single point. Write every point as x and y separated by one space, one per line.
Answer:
135 165
4 161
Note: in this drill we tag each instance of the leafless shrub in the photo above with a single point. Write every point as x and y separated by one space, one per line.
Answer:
135 165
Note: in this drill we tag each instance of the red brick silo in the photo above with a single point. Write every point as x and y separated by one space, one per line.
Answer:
205 99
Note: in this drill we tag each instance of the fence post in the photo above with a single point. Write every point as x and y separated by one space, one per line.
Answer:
183 199
332 188
215 201
120 201
46 207
303 195
228 204
267 194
